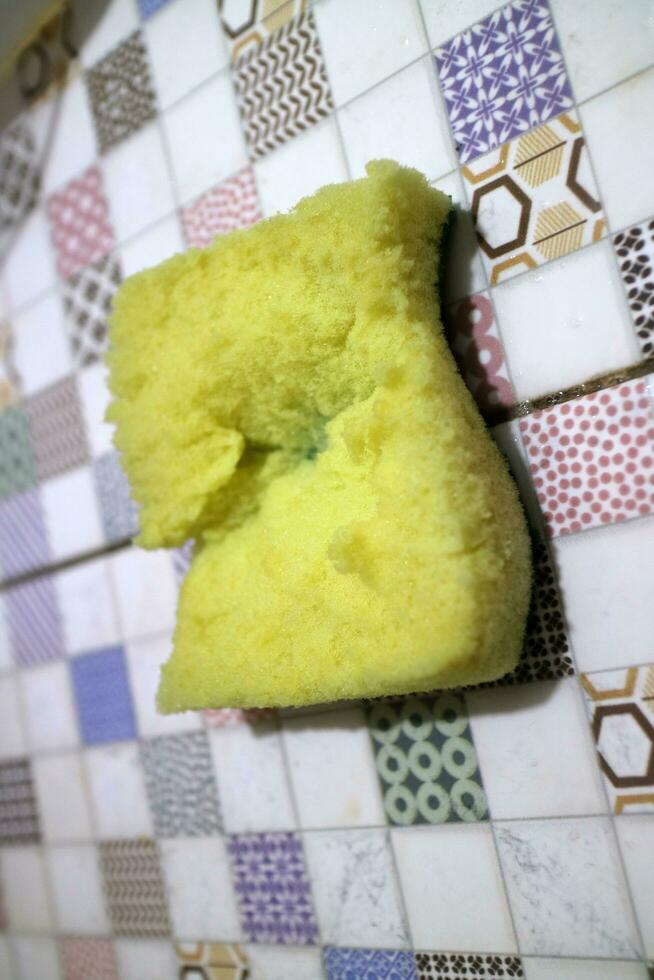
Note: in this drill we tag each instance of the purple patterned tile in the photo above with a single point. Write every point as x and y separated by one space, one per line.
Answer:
503 76
369 964
102 695
23 538
272 888
34 622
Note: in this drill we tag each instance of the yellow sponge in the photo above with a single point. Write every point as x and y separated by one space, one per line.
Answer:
287 399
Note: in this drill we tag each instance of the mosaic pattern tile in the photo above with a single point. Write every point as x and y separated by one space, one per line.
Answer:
34 622
80 223
88 959
57 428
534 199
121 92
19 820
181 785
16 458
502 76
232 204
635 251
23 538
220 960
102 696
426 760
477 966
247 25
369 964
87 299
621 707
475 342
118 510
19 174
10 380
134 888
592 459
272 888
281 86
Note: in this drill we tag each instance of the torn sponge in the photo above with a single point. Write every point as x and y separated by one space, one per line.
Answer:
287 399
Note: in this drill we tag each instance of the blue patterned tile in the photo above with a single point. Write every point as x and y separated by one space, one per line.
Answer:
119 512
34 622
102 695
369 964
23 537
150 7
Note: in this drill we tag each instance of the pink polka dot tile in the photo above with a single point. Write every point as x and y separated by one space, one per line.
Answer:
592 459
80 223
232 204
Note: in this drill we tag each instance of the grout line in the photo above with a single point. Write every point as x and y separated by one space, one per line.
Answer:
54 568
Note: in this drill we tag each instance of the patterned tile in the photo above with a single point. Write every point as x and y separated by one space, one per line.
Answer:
10 379
87 299
88 959
281 85
150 7
19 175
57 430
224 961
121 92
246 26
102 695
474 340
272 888
134 888
592 459
182 561
34 622
502 76
16 459
23 537
232 204
534 199
119 512
635 251
426 760
181 785
80 223
369 964
19 819
621 707
452 966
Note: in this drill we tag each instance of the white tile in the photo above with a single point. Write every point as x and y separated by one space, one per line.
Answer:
36 957
566 888
300 167
565 322
41 347
87 607
61 793
453 888
12 735
137 181
355 888
285 963
365 42
152 246
603 43
28 266
49 711
144 659
401 119
77 889
618 126
186 46
64 133
445 18
105 26
252 783
6 965
538 968
605 577
146 959
70 508
534 749
200 893
216 148
343 791
117 791
144 584
95 397
464 271
636 837
6 656
25 889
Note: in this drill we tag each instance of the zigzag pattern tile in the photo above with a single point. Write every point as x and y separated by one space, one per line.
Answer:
134 888
19 820
57 429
